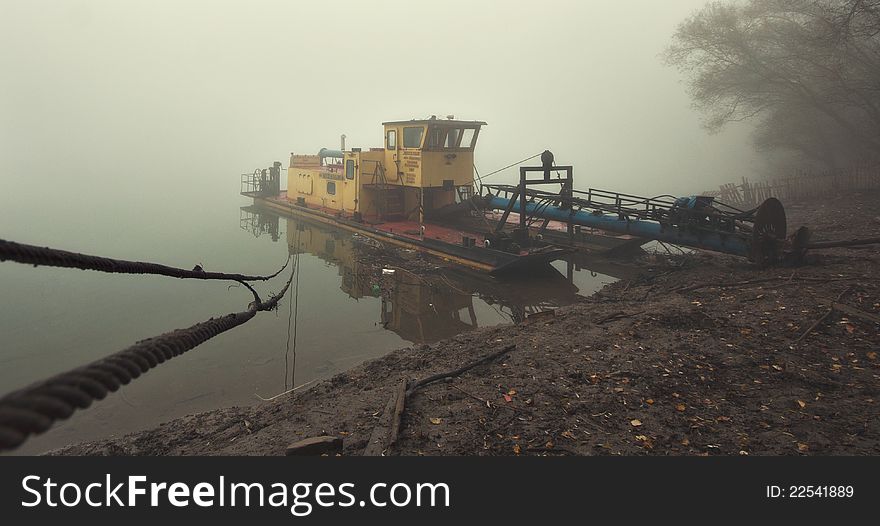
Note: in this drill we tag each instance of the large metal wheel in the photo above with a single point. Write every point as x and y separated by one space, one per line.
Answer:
768 234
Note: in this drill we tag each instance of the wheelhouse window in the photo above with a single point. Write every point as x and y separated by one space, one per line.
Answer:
451 138
468 135
436 137
391 140
349 169
412 136
331 188
448 138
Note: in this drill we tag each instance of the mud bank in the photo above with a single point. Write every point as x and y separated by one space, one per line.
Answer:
701 354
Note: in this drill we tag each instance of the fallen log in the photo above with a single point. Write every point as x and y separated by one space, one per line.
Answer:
386 431
399 406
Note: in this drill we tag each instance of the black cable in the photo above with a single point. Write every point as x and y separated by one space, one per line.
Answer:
33 409
34 255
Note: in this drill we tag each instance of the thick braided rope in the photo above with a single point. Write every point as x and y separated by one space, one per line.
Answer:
34 255
33 409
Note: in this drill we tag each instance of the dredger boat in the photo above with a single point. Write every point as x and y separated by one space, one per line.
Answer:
417 192
407 194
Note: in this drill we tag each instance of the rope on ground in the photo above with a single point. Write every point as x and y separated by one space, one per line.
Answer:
33 409
34 255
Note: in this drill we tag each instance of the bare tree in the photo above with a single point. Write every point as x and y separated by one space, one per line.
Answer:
807 70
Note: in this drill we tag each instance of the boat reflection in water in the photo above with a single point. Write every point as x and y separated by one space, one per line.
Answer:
257 222
439 301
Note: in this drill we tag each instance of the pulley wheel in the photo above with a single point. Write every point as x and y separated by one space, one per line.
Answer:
768 234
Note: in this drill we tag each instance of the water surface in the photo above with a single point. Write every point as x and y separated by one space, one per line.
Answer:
54 319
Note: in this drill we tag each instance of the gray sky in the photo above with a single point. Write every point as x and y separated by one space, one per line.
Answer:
195 92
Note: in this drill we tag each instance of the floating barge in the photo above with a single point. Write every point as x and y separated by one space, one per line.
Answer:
412 193
417 192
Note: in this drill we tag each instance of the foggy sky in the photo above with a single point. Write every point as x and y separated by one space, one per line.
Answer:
123 96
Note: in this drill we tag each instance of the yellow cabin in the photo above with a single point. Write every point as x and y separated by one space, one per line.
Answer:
423 166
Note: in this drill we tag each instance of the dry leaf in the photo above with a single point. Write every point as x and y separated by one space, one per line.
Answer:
680 407
803 447
872 355
511 392
435 421
802 404
649 401
516 449
568 434
685 442
641 438
635 422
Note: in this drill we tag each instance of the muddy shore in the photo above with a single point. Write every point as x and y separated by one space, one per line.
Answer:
701 354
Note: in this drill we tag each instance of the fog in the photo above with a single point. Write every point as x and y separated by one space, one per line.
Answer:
108 99
126 125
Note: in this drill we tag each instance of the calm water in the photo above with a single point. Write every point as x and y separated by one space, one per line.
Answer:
54 319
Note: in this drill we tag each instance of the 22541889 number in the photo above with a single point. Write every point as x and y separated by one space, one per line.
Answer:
820 491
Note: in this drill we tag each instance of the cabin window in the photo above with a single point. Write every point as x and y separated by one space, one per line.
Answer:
392 139
349 169
435 137
467 137
412 136
451 138
443 138
331 188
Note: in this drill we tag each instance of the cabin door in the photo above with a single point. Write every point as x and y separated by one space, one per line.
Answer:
350 184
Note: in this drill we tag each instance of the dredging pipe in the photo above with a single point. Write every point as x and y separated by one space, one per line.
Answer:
739 244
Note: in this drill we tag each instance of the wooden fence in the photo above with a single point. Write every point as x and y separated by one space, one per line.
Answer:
750 194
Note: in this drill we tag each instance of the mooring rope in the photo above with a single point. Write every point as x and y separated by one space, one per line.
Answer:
34 255
490 174
33 409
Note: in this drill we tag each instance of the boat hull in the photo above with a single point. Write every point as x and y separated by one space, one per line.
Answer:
475 257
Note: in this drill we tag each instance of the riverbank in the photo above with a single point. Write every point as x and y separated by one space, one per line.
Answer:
699 354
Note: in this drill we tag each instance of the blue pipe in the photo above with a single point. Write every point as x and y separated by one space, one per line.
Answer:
717 241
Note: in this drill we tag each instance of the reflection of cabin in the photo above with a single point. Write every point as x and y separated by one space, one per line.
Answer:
423 166
424 314
413 310
333 246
